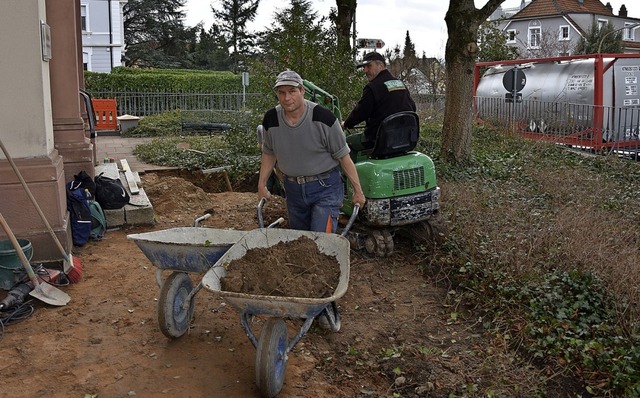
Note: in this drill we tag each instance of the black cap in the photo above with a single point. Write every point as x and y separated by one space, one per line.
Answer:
368 58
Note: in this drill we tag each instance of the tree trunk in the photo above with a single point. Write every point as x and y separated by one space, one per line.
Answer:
345 19
463 21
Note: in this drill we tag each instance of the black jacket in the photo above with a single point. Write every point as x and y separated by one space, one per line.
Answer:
381 97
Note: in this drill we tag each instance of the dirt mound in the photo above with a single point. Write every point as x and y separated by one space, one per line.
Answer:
178 201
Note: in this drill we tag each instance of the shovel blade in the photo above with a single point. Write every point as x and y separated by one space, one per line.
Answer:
50 294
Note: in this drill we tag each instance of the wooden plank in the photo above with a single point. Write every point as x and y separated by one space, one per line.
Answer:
218 170
131 180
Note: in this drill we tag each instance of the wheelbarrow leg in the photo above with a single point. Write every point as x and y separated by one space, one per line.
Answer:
329 318
191 295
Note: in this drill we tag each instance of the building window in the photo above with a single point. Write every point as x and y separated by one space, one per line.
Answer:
83 17
511 35
602 23
534 37
628 32
564 33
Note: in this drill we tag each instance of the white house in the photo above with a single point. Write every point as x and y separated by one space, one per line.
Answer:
550 28
102 26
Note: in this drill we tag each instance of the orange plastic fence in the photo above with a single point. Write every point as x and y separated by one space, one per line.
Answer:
106 113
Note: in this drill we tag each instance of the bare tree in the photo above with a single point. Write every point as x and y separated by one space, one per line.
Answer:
548 46
463 20
433 70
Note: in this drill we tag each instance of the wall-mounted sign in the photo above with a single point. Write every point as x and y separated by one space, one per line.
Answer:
45 39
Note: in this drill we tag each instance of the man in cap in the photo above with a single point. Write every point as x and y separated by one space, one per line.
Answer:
383 96
306 141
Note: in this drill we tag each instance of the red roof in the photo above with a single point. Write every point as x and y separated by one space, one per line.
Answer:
544 8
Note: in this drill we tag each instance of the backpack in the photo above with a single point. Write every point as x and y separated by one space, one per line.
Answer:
110 193
84 181
79 214
98 221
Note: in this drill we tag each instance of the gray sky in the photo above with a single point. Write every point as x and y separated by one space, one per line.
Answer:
387 20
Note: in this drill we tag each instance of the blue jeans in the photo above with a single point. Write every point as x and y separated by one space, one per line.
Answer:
315 205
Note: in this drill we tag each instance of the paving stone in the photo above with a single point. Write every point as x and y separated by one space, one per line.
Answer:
142 213
115 217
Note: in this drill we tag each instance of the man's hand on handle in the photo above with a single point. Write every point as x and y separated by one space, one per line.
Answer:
263 193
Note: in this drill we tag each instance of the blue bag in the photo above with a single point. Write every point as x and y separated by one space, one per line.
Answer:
79 214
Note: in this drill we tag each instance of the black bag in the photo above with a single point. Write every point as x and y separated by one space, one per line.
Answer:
84 181
110 193
79 214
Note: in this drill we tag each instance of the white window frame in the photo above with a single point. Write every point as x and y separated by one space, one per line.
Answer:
84 17
602 23
629 34
561 33
536 36
512 35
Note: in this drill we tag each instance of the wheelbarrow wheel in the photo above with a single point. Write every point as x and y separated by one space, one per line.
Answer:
271 357
173 319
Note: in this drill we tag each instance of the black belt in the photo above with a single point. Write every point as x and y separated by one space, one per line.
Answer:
305 179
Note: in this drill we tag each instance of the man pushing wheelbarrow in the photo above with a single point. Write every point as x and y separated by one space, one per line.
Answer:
308 144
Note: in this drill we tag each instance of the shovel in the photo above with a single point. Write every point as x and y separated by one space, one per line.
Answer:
68 264
42 291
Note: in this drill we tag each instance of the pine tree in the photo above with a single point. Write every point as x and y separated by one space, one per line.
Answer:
212 51
232 18
604 38
155 35
300 40
409 49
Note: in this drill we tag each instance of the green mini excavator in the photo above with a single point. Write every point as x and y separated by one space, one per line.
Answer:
398 182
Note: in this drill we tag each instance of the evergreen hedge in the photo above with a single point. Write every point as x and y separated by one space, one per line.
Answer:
123 79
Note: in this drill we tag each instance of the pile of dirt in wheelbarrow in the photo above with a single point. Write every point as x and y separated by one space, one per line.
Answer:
288 269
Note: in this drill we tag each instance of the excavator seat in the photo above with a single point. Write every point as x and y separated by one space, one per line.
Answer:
397 135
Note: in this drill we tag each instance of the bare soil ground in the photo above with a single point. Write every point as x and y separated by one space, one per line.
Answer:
399 335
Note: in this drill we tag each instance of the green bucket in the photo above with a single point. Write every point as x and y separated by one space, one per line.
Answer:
11 268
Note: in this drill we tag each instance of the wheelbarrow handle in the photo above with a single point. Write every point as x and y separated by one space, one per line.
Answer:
352 219
260 206
261 219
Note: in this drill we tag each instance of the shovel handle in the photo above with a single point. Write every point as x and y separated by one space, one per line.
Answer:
35 204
